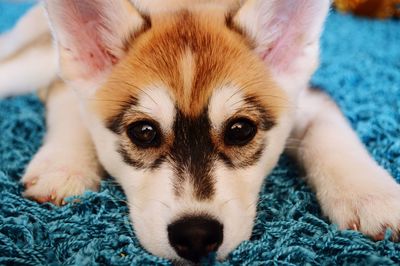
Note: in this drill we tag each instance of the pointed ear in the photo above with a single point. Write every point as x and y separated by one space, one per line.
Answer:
285 32
92 35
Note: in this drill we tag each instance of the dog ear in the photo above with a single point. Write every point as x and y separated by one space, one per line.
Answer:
92 35
285 33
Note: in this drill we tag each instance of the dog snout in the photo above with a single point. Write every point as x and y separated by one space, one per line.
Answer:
195 237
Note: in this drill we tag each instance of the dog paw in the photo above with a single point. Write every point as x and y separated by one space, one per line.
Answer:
52 176
371 208
370 214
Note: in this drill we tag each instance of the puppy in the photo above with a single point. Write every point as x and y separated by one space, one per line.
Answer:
189 104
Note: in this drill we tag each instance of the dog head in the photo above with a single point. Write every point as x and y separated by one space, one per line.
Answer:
189 108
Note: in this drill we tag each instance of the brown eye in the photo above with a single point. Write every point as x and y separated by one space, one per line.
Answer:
239 132
144 134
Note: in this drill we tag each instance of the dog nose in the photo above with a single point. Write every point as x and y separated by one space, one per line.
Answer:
195 237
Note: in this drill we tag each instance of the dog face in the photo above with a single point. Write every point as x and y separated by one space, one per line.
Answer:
189 109
192 133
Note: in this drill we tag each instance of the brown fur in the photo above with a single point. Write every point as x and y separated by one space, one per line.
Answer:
220 57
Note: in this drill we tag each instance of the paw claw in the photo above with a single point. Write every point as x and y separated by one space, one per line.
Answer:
30 183
380 236
370 212
48 199
34 181
51 178
355 226
53 196
41 199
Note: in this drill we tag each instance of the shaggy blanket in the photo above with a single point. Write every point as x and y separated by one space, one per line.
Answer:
360 69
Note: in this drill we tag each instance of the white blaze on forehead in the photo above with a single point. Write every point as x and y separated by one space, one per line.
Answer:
158 104
224 103
187 69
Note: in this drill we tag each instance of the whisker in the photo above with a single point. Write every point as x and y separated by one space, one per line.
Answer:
251 83
227 201
255 203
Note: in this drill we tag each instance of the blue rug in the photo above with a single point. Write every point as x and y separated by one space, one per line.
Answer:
360 69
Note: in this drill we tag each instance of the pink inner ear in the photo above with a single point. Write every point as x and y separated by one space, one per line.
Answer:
84 26
291 27
92 50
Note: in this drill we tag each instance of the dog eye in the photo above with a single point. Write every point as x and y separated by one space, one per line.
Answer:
239 132
144 134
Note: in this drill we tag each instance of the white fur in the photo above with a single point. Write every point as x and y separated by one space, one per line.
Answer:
147 198
36 67
29 28
66 165
26 51
238 189
224 103
352 189
157 103
150 193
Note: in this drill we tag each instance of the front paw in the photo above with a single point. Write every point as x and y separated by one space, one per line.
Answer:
53 176
371 208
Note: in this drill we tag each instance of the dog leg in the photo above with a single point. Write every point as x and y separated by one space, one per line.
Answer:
353 190
30 27
35 67
66 164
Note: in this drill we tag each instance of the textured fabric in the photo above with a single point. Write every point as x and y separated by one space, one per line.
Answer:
360 69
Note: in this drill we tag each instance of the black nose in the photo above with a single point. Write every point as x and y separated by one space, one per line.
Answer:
195 237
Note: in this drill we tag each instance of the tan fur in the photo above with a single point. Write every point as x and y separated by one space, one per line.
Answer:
188 71
216 56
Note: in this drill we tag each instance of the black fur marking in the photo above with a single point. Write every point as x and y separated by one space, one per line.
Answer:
247 162
128 159
157 163
135 34
140 164
228 161
267 121
250 161
193 153
116 123
231 25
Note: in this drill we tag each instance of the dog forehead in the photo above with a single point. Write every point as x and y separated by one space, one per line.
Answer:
191 55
